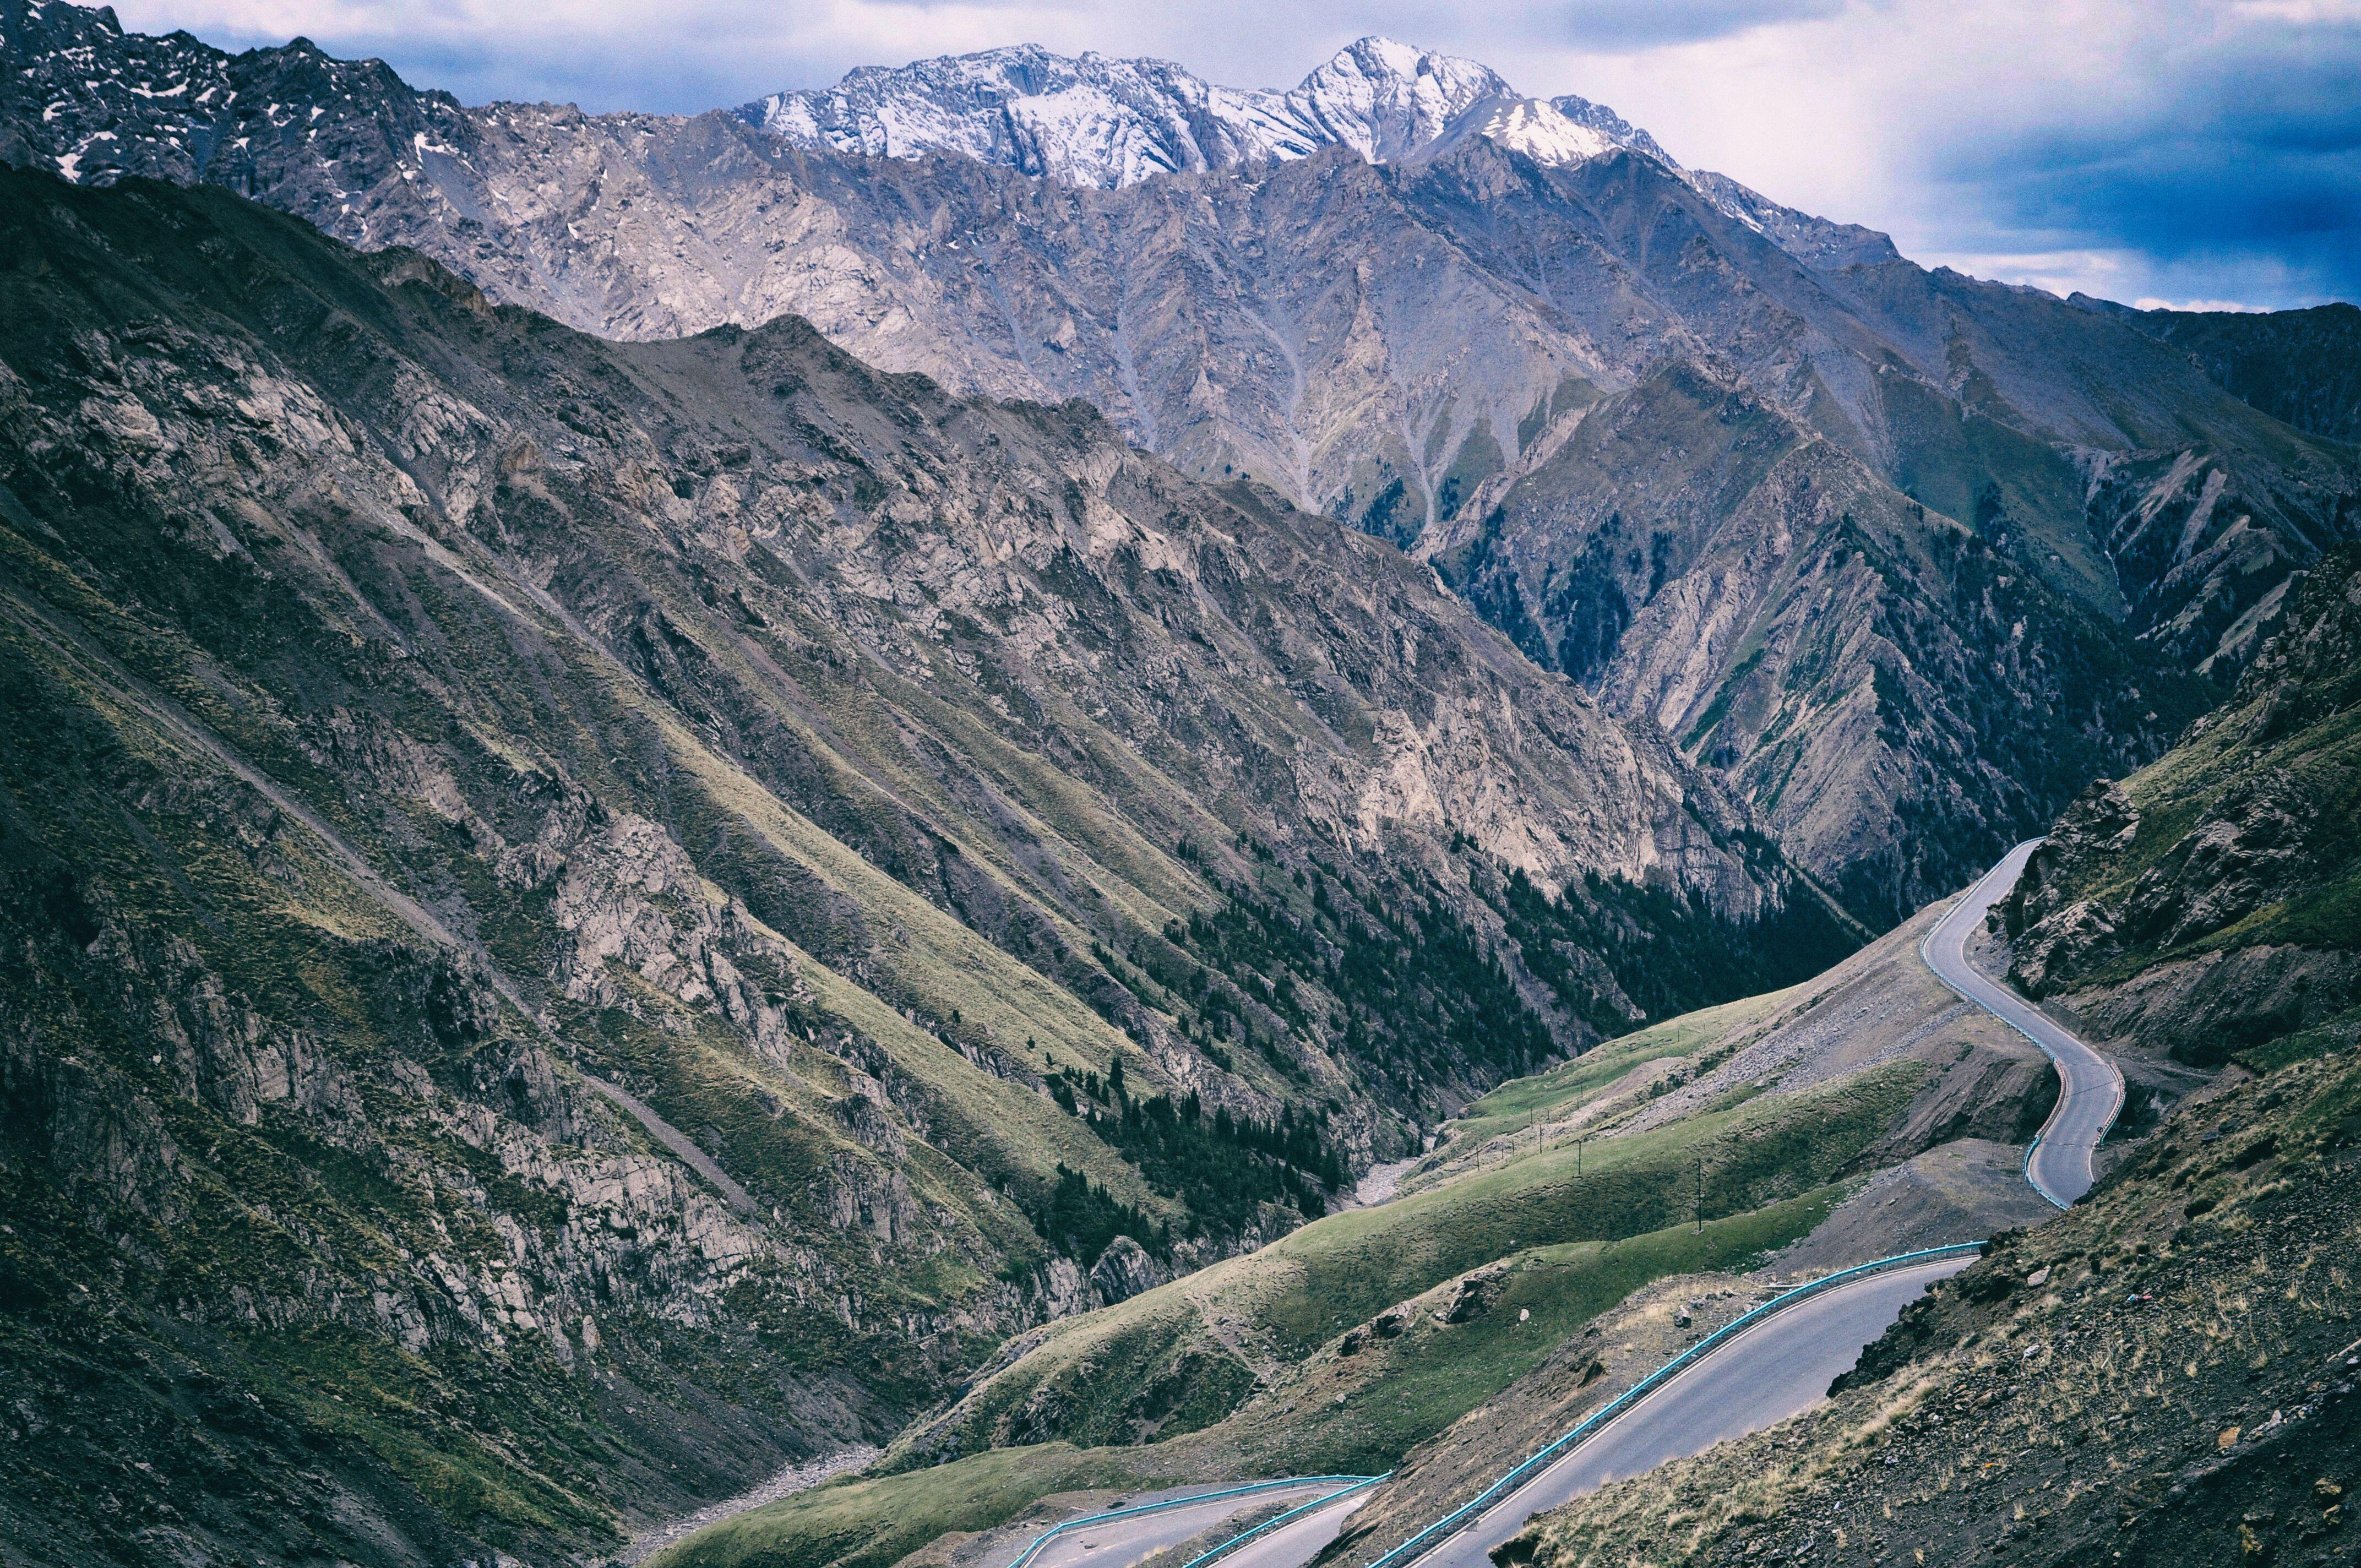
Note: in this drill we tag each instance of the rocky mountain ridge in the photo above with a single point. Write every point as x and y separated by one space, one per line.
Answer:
2206 905
674 894
1100 122
1414 347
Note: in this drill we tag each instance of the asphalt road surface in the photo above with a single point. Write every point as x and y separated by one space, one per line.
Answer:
1118 1544
1779 1366
2092 1090
1292 1545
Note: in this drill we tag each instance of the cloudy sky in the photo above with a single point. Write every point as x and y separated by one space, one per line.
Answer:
2180 152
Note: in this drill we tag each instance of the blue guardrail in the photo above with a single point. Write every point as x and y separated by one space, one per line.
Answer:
1350 1482
1289 1517
1449 1523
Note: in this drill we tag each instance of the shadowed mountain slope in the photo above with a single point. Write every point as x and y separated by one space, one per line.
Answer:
2301 366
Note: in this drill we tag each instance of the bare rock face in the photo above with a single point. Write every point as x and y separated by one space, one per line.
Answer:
1887 685
2211 1005
1124 1270
2074 939
2102 820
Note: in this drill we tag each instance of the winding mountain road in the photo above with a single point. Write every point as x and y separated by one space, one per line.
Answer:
1785 1363
2091 1090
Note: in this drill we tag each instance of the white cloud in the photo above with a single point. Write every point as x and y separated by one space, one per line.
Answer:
2150 303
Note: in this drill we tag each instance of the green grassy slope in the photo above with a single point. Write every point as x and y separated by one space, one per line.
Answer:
1336 1412
1342 1346
1182 1355
2161 1375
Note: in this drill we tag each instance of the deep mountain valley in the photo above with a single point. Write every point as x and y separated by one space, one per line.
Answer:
1029 780
705 872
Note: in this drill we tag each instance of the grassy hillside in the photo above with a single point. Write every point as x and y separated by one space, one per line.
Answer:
1337 1412
1187 1353
1363 1336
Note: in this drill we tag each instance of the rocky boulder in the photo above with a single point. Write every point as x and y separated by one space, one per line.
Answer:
1124 1270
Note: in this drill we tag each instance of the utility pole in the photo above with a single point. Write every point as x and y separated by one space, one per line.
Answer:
1700 1198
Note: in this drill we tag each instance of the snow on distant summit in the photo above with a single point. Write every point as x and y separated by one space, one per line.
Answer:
1541 131
1101 122
1108 123
351 146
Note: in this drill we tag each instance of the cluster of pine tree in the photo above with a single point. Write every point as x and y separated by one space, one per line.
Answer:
1223 1167
1667 950
1081 1219
1387 974
1421 995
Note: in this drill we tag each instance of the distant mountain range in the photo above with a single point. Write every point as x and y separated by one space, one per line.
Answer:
1108 123
1893 547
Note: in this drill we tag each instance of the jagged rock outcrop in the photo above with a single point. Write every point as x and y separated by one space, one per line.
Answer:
1123 1270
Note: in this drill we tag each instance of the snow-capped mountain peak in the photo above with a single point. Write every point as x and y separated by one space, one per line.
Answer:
1091 121
1618 130
1386 100
1101 122
1105 122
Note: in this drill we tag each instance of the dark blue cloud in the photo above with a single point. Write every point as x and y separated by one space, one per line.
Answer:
2239 156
